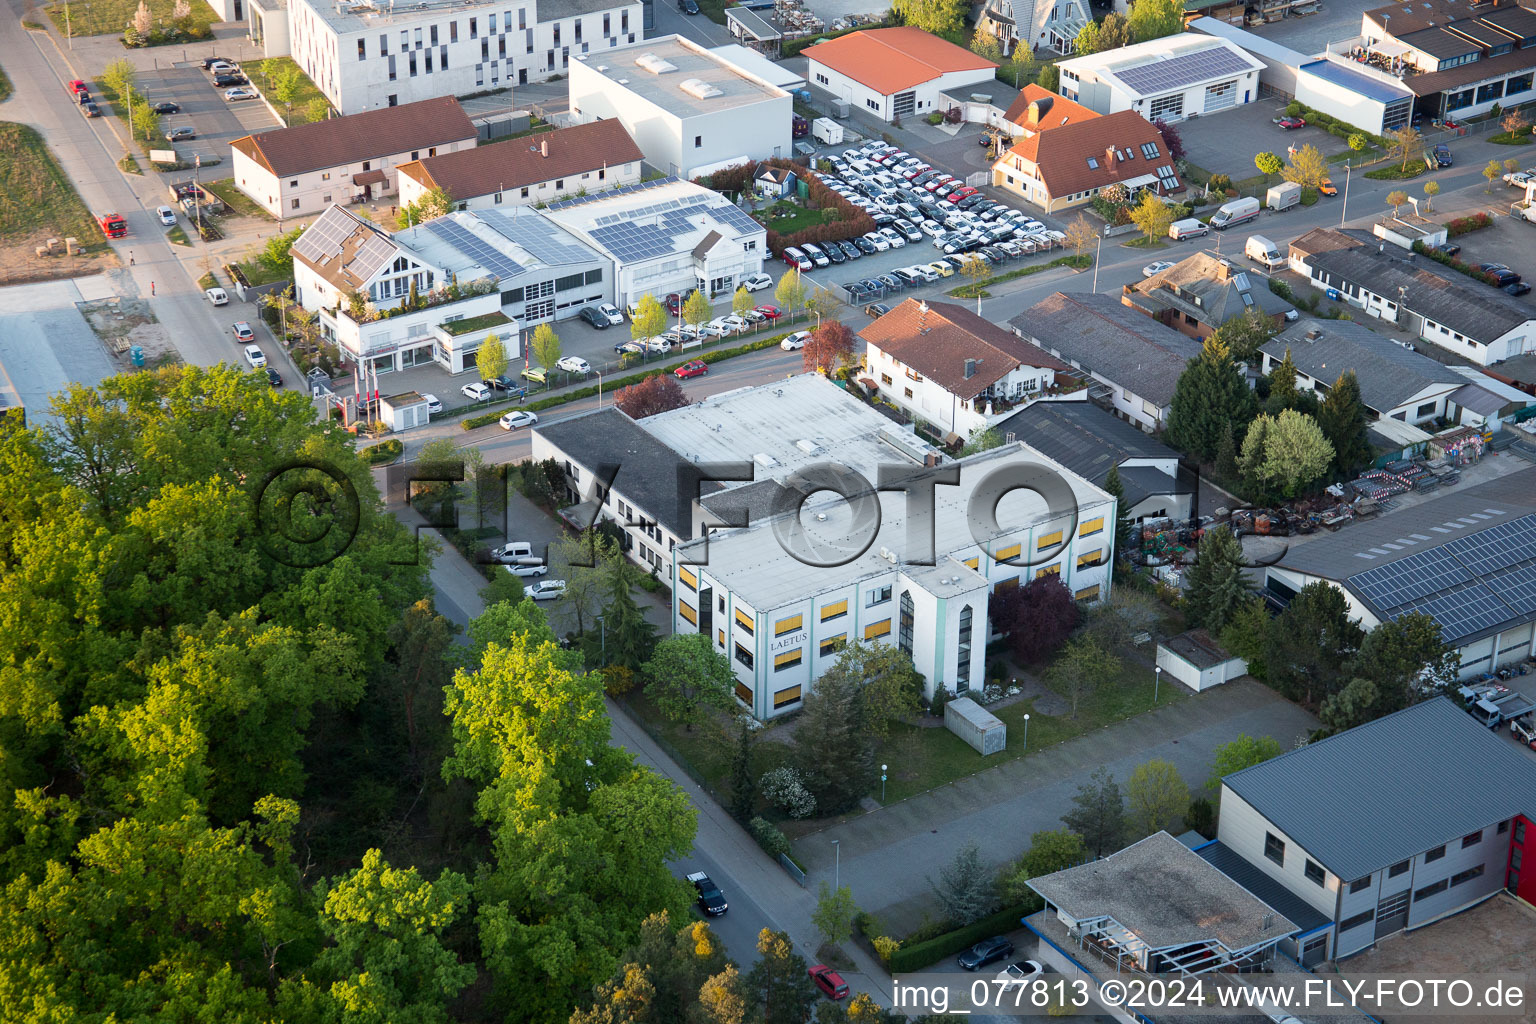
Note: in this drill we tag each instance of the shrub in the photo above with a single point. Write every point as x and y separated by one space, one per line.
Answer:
885 948
784 789
1464 225
1201 816
768 836
384 451
912 955
1293 109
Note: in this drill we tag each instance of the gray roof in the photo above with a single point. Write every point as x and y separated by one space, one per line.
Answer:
657 480
1197 647
754 502
1391 789
1210 289
1478 400
1475 310
1389 374
1101 335
1088 440
1165 894
1262 885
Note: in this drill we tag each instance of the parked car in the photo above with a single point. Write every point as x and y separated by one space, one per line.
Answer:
829 982
757 282
688 6
987 951
243 332
545 590
1443 155
1153 269
168 218
527 570
180 134
89 109
1291 123
711 899
217 296
1328 188
770 312
505 383
876 310
1502 275
518 418
477 391
795 341
166 107
692 368
1017 975
255 356
220 81
434 406
574 364
241 93
1517 288
591 315
1448 248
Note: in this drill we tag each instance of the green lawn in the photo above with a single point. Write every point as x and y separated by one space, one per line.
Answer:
111 17
1146 243
207 281
177 236
35 196
240 204
969 291
260 73
258 273
1395 172
477 323
5 86
794 219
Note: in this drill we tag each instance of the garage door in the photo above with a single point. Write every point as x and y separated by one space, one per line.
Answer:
1392 914
1315 951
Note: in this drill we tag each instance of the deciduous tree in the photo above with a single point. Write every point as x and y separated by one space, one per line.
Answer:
1307 167
828 347
965 888
649 319
686 675
1285 454
1152 216
834 914
1244 335
1156 796
944 18
1036 617
1397 197
1049 852
1098 813
778 982
491 358
742 301
1084 666
1154 19
1080 234
1490 173
658 393
1171 138
1356 703
1050 78
790 292
1268 164
982 439
697 310
1431 189
545 346
1406 142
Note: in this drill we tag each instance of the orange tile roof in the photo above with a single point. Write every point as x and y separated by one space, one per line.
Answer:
1062 154
1058 110
936 339
891 60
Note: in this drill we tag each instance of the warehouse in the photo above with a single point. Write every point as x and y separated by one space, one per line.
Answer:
893 73
1166 79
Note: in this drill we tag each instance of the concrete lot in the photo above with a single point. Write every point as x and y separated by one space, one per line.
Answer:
45 343
1495 937
204 109
1227 142
1338 19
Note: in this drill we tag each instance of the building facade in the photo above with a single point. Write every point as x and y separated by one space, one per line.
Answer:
892 73
1167 79
689 109
1068 165
365 55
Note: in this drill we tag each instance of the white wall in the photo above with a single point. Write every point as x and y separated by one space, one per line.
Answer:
1344 104
300 195
1106 97
926 99
598 179
329 54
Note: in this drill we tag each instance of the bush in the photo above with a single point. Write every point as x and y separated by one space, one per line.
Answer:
1201 817
1293 109
784 789
768 836
885 948
1464 225
384 451
914 955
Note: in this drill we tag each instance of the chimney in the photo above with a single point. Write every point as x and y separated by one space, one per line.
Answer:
1109 156
1313 334
544 147
970 368
1010 437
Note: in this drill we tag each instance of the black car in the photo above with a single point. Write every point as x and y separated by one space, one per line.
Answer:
223 80
834 252
711 899
505 383
1443 155
688 6
274 378
1517 288
1447 248
876 309
865 246
166 108
970 201
870 284
1502 275
985 952
850 250
209 62
593 317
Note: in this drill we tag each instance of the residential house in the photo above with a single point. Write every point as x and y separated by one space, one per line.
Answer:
942 363
1071 163
895 72
298 171
1035 110
1199 294
1136 360
1039 24
543 168
775 182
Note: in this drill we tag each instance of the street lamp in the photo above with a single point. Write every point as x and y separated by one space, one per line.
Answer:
837 864
1157 678
883 769
1026 730
599 388
1345 204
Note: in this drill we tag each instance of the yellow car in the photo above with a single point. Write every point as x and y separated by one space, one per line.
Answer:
942 268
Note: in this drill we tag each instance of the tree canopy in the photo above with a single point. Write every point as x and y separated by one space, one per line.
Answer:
1210 398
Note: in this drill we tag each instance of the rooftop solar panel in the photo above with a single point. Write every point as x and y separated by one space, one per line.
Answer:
1182 71
477 249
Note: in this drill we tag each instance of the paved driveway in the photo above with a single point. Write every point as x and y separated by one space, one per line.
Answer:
46 344
1228 141
890 853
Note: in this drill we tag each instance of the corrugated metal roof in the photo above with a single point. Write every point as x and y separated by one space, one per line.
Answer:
1257 881
1391 789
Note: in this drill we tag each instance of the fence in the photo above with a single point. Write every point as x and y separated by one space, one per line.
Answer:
793 869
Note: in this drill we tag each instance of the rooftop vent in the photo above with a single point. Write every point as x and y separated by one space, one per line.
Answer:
699 89
654 64
1314 334
765 460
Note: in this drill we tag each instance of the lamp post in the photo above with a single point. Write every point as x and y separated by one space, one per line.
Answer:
1096 253
837 864
1026 730
1157 679
599 388
1345 204
883 769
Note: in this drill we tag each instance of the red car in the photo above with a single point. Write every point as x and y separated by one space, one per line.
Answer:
692 368
771 312
674 303
1292 122
829 981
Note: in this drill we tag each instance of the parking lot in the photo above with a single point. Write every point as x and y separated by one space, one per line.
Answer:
216 121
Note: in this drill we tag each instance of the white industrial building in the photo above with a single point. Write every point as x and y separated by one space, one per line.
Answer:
367 53
667 236
895 72
1468 559
494 272
1165 79
690 110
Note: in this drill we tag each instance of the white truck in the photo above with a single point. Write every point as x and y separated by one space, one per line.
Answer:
827 131
1262 251
1282 196
1238 211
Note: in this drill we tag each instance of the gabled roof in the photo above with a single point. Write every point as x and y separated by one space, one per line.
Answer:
344 249
936 339
1389 374
1089 441
1111 339
358 137
890 60
1073 157
563 153
1351 256
1036 109
1210 289
1391 789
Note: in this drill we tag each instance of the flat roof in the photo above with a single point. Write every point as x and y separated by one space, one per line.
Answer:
507 243
364 15
1254 43
1168 64
1261 884
1383 792
754 63
1368 86
680 76
1166 895
659 219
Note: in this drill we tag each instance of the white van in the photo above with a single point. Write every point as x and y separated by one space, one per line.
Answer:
1187 228
1238 211
1261 250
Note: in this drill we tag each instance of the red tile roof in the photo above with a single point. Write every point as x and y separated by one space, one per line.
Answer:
1035 109
357 137
481 171
937 338
1062 154
892 60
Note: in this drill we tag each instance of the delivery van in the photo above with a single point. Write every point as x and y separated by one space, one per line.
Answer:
1187 228
1238 211
1261 250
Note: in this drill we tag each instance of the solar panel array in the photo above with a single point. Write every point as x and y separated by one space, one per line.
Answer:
651 231
1182 71
325 235
622 190
1473 584
476 248
541 238
375 252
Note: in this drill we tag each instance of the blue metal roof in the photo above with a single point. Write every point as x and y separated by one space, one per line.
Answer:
1365 85
1256 881
1391 789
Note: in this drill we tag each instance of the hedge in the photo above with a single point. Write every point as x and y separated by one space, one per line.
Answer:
612 387
384 451
1466 225
1331 124
918 955
968 291
1475 273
